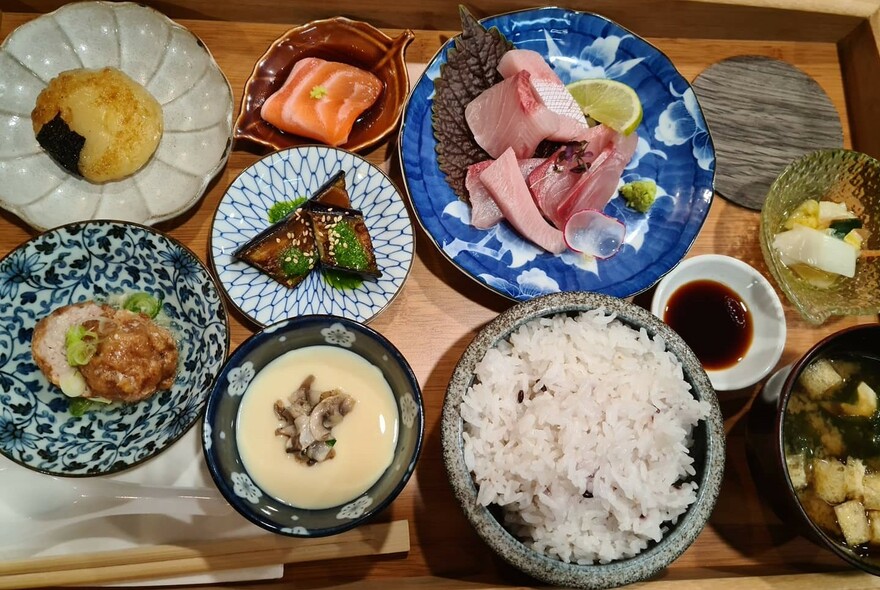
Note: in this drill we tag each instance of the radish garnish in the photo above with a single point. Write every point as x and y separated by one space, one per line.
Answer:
594 233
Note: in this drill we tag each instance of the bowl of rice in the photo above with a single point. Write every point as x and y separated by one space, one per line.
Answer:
583 440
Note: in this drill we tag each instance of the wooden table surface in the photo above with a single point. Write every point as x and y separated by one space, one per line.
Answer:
440 310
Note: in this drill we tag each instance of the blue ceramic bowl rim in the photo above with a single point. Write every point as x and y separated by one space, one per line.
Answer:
253 342
619 572
223 309
693 225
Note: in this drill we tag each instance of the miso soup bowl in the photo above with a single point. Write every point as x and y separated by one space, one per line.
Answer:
221 419
861 340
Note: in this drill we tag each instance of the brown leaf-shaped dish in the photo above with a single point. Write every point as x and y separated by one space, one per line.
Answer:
336 39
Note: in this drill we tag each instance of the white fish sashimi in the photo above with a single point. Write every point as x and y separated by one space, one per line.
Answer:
552 182
551 90
599 185
504 181
510 114
484 212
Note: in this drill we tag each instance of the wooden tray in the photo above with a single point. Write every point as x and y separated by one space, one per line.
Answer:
834 41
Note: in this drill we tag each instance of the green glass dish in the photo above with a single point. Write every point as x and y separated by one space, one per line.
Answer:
838 175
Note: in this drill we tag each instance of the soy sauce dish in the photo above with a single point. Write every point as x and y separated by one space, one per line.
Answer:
315 425
728 313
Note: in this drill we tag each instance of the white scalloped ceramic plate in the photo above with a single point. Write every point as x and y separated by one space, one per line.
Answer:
171 62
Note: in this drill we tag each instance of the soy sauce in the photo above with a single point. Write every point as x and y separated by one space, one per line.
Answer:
713 320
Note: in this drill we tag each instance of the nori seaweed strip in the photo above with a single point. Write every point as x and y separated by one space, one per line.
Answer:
62 143
470 69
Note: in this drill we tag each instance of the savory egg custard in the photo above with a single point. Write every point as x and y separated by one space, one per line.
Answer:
98 124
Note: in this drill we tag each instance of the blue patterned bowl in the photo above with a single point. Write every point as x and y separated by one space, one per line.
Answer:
674 149
94 260
221 419
299 172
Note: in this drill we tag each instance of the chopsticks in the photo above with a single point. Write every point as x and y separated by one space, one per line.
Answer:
173 560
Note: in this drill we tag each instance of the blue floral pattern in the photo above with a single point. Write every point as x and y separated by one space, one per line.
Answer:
338 335
355 509
245 488
674 149
240 378
299 172
96 260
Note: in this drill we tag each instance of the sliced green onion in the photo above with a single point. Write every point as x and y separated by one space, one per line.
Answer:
331 442
81 345
80 405
143 303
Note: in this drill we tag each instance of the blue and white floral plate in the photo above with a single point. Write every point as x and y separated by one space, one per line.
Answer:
96 260
221 419
299 172
674 149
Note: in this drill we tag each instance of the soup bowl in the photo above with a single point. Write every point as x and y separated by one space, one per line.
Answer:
478 501
857 342
223 417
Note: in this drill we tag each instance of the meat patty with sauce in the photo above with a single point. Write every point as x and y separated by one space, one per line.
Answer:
135 357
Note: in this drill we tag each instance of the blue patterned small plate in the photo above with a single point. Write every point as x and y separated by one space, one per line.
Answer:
674 149
221 419
96 260
299 172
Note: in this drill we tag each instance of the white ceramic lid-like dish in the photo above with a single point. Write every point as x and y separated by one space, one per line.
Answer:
768 317
167 59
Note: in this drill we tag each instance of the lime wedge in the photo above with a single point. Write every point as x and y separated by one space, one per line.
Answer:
610 102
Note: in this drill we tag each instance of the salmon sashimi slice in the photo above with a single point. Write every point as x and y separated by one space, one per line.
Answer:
322 100
484 212
505 183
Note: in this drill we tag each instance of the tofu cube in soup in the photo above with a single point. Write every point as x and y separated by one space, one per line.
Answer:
854 473
829 476
797 470
820 379
865 404
853 522
820 511
871 491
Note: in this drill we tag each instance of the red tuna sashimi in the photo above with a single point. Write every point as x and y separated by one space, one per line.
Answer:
321 100
551 90
506 184
598 186
484 212
553 181
510 114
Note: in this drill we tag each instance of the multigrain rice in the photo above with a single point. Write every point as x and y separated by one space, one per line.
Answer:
578 428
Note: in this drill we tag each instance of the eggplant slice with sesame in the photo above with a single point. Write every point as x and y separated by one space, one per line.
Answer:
322 231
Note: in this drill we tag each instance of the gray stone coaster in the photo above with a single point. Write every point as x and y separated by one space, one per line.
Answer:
762 114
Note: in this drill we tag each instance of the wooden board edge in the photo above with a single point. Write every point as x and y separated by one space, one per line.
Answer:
857 8
859 62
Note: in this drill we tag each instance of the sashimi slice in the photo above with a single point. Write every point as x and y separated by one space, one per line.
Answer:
322 100
554 180
510 114
550 88
594 189
508 188
594 233
484 212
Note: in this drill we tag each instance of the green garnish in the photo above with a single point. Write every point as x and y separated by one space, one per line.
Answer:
81 345
294 262
347 249
318 92
331 442
342 280
80 405
143 303
640 194
282 209
840 227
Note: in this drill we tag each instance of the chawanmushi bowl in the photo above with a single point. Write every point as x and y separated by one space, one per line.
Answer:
221 441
